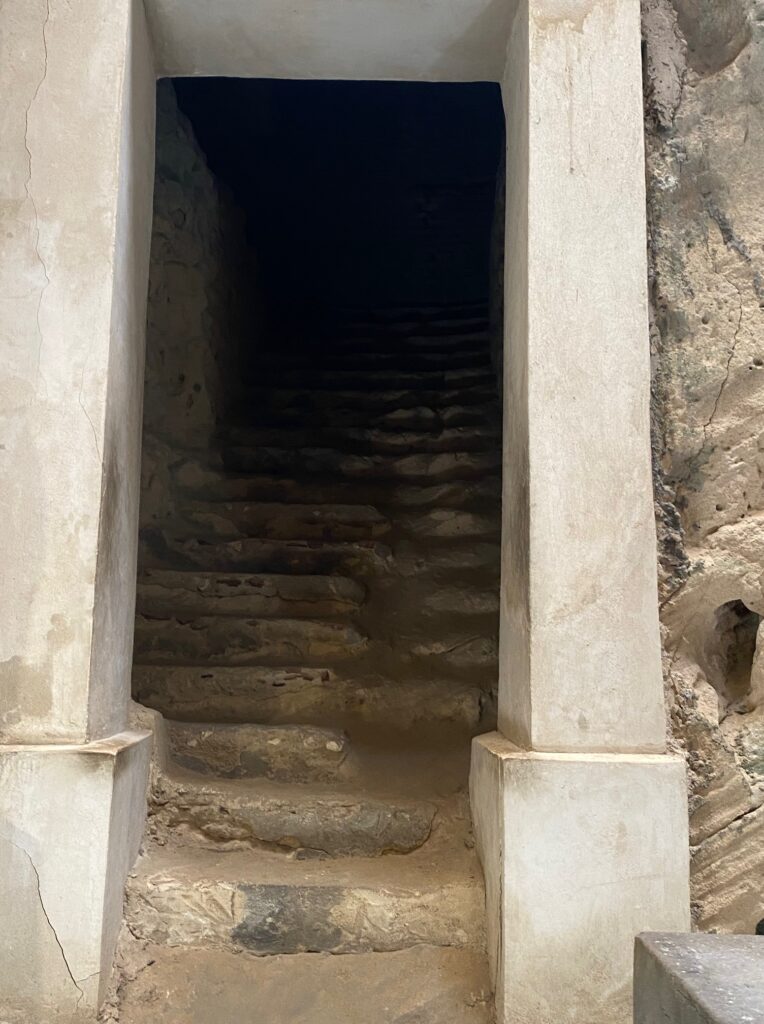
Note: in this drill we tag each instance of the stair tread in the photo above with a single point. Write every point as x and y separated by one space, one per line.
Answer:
429 985
238 640
436 466
359 440
279 595
285 752
304 694
432 866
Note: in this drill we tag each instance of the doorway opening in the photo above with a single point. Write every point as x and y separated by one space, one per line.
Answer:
318 595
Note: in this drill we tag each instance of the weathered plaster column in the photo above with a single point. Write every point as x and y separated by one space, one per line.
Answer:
580 814
77 82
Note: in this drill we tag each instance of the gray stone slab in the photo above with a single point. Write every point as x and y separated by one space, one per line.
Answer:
699 979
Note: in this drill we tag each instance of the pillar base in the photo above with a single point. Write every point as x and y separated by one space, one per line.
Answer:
71 821
580 852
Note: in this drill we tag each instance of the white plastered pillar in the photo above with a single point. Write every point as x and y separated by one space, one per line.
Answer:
76 168
580 815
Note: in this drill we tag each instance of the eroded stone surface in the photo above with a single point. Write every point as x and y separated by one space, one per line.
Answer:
429 986
705 66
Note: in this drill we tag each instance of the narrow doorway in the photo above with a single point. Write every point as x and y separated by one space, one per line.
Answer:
317 612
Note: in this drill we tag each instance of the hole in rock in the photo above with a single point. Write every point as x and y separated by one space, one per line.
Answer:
732 655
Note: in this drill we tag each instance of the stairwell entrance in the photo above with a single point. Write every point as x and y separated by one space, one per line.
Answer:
579 814
318 584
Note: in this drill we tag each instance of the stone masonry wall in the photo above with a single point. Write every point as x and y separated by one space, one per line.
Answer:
202 305
704 81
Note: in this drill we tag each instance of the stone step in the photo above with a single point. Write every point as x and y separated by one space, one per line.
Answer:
328 462
384 494
414 327
452 524
308 402
268 904
160 549
334 820
356 440
289 521
319 379
164 592
470 655
225 640
282 753
421 418
307 695
240 519
420 985
401 358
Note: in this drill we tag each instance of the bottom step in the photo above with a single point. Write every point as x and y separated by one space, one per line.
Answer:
422 985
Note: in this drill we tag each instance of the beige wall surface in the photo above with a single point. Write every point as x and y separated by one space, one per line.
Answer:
438 40
581 652
76 114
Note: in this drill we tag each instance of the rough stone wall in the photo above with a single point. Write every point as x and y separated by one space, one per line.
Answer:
202 306
704 82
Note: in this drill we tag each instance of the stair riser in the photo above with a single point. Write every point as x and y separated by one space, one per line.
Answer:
280 753
444 467
310 402
360 442
387 494
267 920
232 818
167 594
230 641
273 521
256 556
374 380
278 696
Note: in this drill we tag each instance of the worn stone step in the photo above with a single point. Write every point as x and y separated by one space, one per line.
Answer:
328 462
240 519
421 985
267 904
471 655
451 524
164 592
446 563
225 640
384 494
333 820
308 401
421 418
290 521
160 549
461 601
357 440
282 753
318 379
307 695
402 358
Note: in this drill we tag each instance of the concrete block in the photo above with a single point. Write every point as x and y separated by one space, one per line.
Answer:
71 821
581 852
699 979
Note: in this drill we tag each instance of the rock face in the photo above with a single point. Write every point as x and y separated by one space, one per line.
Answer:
705 131
201 302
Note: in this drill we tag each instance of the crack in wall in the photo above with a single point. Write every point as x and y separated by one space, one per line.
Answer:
28 185
74 981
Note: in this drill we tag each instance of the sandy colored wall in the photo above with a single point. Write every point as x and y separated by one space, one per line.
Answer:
705 136
76 123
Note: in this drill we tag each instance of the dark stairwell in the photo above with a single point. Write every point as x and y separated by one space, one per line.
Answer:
319 576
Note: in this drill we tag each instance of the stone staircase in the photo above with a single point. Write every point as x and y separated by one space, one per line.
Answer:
318 628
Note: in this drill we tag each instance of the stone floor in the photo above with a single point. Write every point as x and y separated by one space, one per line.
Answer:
318 628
